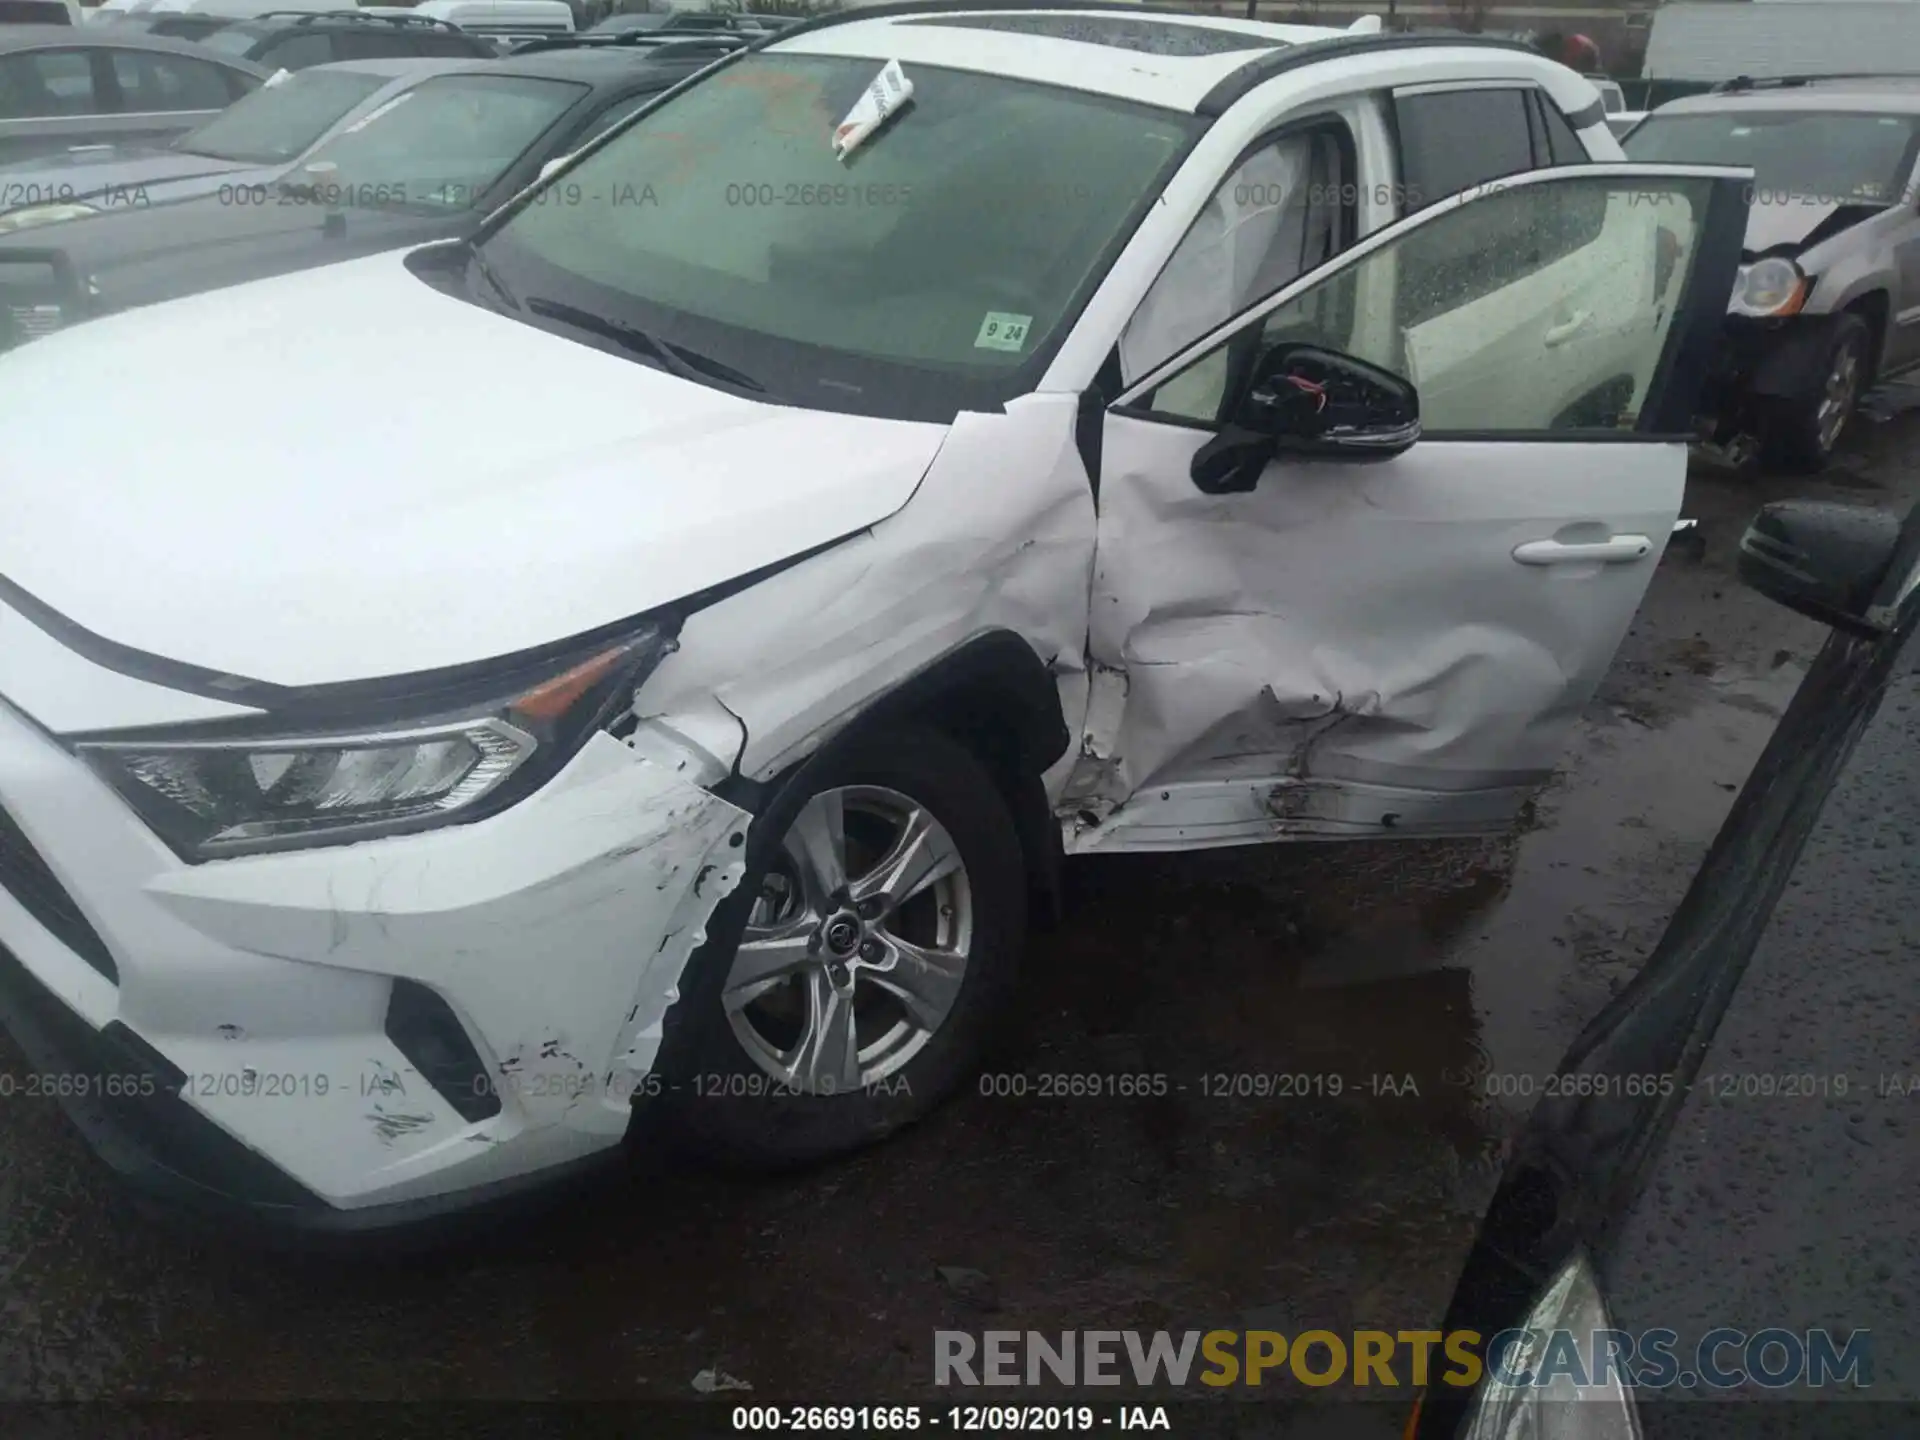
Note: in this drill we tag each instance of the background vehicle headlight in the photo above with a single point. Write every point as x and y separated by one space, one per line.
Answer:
1558 1409
1769 287
212 796
43 215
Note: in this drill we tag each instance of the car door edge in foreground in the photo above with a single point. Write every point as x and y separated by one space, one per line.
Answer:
1581 1161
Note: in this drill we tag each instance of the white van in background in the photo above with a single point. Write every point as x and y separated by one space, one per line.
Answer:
505 22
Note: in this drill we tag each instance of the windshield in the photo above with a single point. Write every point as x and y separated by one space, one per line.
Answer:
276 123
443 144
1838 157
933 272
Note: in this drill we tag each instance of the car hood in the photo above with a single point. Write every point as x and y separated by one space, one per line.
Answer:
347 474
1780 219
146 174
138 254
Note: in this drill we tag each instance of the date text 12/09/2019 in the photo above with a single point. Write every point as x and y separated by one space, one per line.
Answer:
959 1419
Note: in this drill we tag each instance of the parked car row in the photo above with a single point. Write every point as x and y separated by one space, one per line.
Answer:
993 433
1827 300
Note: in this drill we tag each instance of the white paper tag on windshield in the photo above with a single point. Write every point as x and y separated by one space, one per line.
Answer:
890 93
1003 331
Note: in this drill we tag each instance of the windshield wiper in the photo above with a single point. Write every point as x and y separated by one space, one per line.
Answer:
499 286
675 359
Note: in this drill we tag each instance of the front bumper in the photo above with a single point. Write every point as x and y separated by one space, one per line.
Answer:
1761 363
227 1037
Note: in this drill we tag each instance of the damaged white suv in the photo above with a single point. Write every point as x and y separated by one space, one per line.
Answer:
641 659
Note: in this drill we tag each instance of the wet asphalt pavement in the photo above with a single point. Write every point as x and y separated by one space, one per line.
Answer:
1440 967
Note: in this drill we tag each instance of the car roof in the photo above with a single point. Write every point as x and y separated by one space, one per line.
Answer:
1173 60
1877 94
34 37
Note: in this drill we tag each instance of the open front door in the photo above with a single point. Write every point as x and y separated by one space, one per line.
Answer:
1356 647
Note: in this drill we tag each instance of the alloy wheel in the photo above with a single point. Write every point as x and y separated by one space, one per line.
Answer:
1838 396
857 943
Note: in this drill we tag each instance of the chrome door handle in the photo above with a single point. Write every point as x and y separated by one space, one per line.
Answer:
1554 552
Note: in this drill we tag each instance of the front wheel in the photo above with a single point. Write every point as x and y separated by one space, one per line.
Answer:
856 973
1804 432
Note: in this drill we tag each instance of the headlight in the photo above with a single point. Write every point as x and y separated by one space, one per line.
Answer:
43 215
1558 1409
233 793
1769 287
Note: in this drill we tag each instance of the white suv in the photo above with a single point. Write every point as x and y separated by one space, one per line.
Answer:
637 662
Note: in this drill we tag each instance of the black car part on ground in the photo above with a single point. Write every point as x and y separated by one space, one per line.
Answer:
1583 1158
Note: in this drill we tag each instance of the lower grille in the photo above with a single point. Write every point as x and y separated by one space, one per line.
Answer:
25 876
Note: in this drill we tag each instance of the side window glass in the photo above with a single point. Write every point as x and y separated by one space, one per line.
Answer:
1539 308
1282 211
46 84
167 82
296 52
1452 140
1563 146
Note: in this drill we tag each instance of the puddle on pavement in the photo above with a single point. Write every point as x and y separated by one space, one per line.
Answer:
1621 831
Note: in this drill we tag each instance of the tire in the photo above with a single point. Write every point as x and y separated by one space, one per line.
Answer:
1803 433
756 1085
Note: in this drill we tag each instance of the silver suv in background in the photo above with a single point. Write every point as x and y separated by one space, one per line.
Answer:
1827 299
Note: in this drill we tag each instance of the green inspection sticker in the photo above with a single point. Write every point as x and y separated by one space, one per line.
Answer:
1001 331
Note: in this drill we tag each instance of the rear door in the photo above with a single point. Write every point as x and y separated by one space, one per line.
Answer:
159 95
53 99
1402 646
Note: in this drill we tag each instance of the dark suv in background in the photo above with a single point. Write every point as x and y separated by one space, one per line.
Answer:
295 39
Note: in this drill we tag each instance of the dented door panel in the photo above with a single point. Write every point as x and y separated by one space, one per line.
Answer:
1349 649
1399 646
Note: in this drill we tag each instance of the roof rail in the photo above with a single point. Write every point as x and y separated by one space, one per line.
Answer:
1787 82
891 8
1223 96
1217 100
356 17
652 42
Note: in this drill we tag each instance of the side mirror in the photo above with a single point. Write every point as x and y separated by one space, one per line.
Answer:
1825 561
1312 403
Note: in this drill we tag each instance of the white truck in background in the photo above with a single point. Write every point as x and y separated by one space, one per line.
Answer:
1699 42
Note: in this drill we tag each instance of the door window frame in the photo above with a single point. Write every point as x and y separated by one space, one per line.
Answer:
1691 346
1329 120
1533 101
